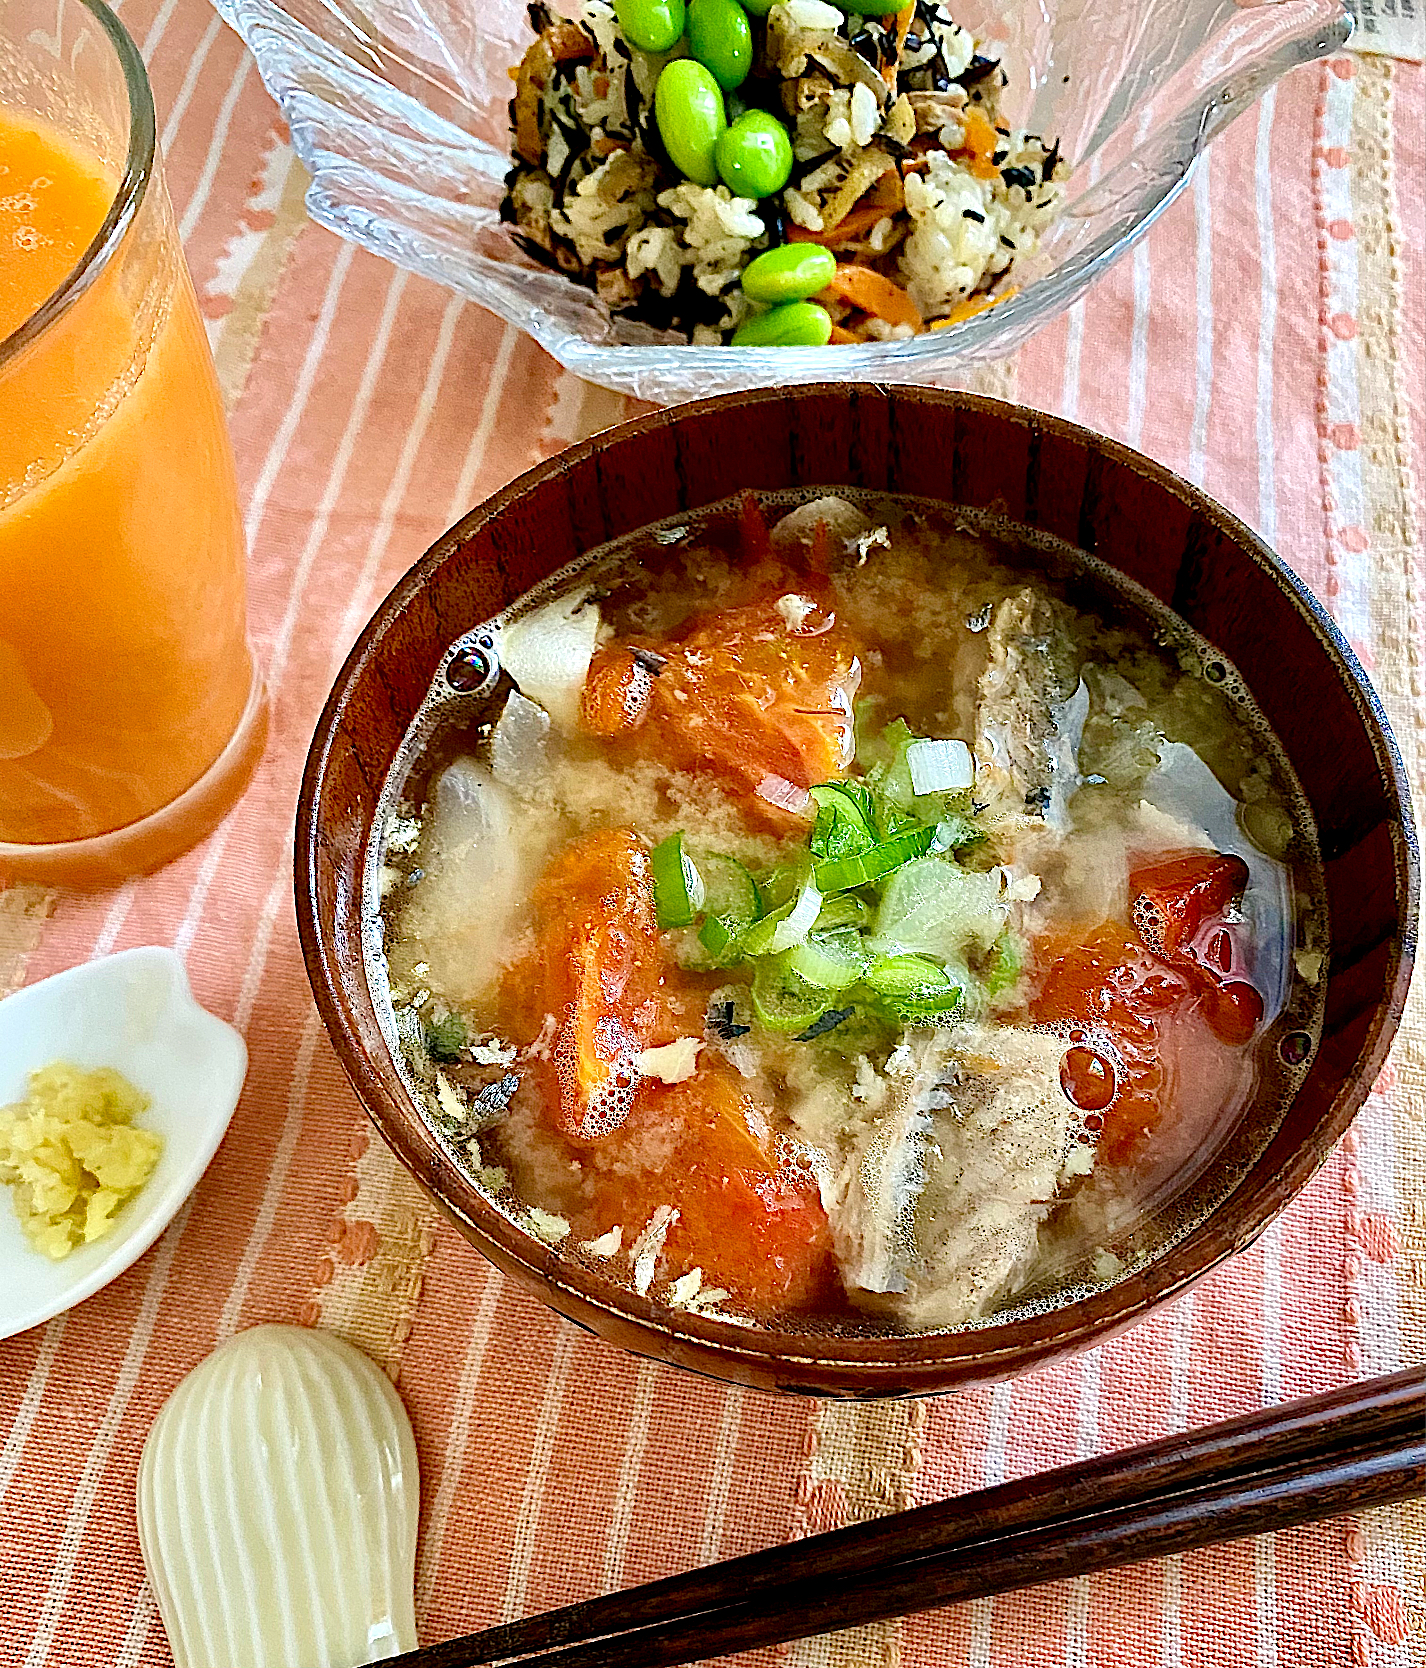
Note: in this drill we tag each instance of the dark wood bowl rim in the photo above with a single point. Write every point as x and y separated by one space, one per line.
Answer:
828 1363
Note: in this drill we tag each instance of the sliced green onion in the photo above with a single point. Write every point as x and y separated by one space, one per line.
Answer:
890 778
786 925
881 860
914 986
720 940
780 887
729 890
937 908
784 1001
842 909
678 886
845 822
830 961
730 898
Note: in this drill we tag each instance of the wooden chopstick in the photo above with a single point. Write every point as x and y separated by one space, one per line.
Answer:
1364 1445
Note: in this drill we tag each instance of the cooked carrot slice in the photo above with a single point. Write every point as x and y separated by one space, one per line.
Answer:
876 294
842 338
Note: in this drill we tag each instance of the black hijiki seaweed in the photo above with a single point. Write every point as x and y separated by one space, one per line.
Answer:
720 1023
829 1021
977 70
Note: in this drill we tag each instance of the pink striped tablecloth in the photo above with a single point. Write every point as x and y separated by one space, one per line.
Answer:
1266 341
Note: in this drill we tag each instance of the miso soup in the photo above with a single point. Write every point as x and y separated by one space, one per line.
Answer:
847 914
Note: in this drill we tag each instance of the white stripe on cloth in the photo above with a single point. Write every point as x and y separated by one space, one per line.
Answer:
474 458
1074 353
276 459
1264 1548
1086 1446
157 29
1139 347
457 1440
202 190
982 1610
527 1519
1203 329
359 605
30 1399
720 1483
1180 1356
1341 398
179 108
626 1489
1267 318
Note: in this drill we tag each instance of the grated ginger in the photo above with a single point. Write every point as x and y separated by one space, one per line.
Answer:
72 1155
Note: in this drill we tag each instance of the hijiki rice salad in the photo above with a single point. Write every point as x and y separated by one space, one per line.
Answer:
793 174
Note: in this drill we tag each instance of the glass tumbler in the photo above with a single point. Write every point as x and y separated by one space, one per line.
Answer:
132 711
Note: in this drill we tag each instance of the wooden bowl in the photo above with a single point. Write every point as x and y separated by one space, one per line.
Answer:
1042 472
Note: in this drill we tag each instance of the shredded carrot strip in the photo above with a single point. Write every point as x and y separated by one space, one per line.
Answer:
853 225
903 28
978 152
968 308
875 294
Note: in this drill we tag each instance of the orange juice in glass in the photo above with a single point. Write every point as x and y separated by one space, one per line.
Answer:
131 710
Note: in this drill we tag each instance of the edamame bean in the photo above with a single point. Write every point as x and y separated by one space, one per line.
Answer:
754 155
651 25
791 272
720 36
876 8
688 106
796 324
758 8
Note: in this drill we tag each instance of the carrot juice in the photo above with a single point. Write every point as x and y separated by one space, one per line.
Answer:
125 673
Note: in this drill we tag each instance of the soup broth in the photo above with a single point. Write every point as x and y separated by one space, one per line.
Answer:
846 913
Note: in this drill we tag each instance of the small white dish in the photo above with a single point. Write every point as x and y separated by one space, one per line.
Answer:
136 1013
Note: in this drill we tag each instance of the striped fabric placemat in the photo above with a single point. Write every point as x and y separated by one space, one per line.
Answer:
1266 340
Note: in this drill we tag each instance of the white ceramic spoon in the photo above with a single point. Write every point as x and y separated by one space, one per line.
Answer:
277 1503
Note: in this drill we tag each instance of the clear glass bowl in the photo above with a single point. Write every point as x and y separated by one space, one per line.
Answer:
399 109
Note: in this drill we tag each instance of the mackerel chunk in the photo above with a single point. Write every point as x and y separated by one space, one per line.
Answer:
942 1198
1032 706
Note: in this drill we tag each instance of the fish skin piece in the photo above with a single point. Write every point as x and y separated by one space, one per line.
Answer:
1032 706
941 1200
